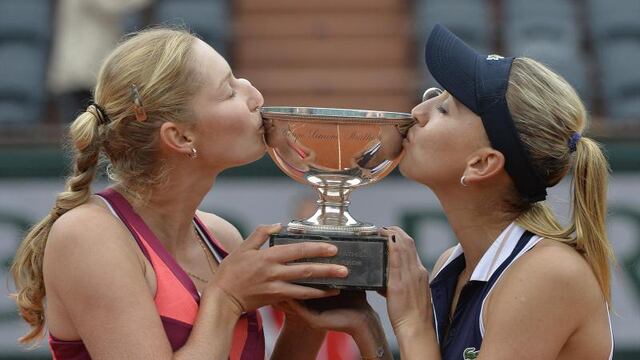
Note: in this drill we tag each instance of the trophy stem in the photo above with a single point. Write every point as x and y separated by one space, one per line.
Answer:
333 215
335 198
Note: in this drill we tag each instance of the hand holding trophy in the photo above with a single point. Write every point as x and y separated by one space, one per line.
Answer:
335 151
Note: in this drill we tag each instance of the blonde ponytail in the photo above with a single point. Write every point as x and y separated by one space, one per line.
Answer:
27 265
590 210
548 113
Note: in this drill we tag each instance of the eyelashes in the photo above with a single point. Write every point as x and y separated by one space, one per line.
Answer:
441 109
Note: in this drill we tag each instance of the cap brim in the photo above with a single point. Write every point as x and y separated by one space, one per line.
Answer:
453 64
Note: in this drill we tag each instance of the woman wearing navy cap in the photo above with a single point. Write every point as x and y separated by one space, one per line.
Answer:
518 285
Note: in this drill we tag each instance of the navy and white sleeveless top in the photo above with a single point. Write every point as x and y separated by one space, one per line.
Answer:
461 338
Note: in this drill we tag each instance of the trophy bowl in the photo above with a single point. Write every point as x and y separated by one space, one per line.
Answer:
336 151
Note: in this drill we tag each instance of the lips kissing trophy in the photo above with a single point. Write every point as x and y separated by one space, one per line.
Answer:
336 151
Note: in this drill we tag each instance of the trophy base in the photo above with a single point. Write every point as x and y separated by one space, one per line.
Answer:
364 256
344 300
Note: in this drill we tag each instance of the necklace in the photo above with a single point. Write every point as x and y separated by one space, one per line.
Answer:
197 277
206 255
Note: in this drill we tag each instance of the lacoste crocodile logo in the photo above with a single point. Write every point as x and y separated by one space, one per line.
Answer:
470 353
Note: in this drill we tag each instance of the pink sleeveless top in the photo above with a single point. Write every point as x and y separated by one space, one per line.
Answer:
176 296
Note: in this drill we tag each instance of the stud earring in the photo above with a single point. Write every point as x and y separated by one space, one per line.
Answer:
194 153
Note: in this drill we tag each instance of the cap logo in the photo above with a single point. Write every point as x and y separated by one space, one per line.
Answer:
494 57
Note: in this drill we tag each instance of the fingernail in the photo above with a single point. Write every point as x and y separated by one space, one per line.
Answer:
343 271
393 238
331 249
276 224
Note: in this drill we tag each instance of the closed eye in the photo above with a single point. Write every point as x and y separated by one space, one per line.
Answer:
441 109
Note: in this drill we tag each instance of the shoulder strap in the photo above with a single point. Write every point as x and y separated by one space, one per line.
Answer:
212 243
143 235
522 242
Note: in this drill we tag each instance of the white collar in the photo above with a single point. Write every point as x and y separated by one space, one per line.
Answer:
495 255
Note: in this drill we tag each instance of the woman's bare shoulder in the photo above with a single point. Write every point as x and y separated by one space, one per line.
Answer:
558 263
87 225
554 274
84 238
223 230
540 301
94 271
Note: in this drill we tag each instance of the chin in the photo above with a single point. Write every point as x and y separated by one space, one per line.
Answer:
246 157
413 172
260 155
405 169
255 156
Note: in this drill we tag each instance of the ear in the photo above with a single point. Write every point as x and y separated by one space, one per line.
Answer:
177 138
485 164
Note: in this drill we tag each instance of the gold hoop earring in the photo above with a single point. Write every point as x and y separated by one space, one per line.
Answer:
194 153
462 181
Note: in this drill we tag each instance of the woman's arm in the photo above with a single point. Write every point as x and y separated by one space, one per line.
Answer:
99 281
539 303
91 269
409 299
530 313
354 317
297 340
370 338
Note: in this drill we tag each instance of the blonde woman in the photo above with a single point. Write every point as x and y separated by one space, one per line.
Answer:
136 271
518 285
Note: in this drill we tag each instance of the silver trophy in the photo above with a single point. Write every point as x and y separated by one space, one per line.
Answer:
336 151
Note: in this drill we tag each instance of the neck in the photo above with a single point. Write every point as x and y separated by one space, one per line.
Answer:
170 207
476 224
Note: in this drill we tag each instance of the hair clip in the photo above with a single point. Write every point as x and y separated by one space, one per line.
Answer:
138 109
99 113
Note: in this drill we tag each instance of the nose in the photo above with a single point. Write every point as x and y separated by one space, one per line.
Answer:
420 113
254 98
259 99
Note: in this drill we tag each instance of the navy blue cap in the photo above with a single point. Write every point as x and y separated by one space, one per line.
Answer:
480 83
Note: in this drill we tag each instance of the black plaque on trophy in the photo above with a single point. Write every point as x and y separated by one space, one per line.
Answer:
364 256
